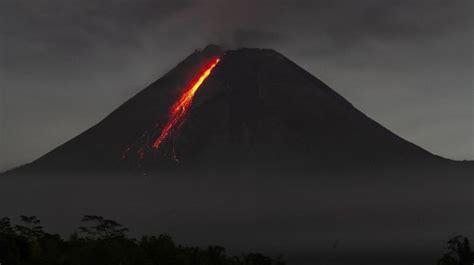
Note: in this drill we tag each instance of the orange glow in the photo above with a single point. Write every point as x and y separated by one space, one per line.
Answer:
180 108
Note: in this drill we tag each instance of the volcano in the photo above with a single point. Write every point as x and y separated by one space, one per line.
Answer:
246 149
234 109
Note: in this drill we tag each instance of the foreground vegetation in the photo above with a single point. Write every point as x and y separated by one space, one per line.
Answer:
459 252
103 242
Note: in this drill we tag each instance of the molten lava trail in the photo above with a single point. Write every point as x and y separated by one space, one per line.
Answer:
181 106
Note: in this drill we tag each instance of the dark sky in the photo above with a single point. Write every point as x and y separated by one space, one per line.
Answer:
66 64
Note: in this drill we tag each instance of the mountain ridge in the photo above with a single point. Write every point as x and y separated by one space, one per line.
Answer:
255 100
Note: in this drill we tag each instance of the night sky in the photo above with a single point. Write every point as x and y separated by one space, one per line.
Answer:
67 64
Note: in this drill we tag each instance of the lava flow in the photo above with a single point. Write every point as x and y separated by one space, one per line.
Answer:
181 106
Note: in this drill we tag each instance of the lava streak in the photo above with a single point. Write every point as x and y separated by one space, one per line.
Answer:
181 106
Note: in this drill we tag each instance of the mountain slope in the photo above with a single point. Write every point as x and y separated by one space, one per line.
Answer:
256 109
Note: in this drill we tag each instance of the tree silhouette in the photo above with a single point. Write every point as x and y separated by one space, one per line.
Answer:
103 241
5 226
102 228
459 252
30 228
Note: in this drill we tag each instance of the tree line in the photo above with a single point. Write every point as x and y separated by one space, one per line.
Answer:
104 242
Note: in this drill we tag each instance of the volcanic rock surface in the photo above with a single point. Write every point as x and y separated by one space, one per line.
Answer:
256 109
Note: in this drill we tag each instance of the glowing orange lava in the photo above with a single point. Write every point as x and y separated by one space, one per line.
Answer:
180 108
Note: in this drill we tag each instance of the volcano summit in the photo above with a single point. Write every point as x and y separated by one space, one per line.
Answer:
229 109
